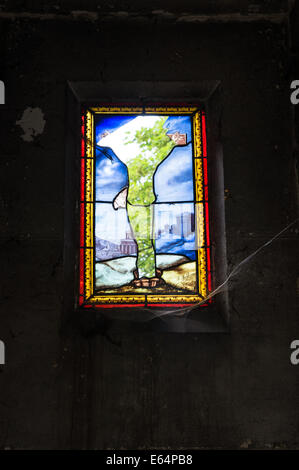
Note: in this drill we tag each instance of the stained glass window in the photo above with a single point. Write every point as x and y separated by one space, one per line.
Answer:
144 207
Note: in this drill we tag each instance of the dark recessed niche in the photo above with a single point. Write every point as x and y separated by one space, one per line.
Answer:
214 317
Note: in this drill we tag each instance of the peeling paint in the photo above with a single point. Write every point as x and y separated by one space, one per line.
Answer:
79 15
246 444
32 123
233 18
84 15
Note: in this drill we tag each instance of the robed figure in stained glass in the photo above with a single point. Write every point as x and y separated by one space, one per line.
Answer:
157 139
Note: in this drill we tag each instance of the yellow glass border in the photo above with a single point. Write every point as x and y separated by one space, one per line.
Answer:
117 110
92 299
89 207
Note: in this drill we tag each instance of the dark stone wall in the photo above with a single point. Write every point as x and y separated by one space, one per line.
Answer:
123 389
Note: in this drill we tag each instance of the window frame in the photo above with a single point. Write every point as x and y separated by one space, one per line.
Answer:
85 96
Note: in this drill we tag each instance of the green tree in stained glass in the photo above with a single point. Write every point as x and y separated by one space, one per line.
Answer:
139 196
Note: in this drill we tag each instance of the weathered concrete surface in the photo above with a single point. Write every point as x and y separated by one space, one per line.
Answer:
131 6
123 389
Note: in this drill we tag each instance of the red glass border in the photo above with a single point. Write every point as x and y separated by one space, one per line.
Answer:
206 192
140 305
82 210
82 225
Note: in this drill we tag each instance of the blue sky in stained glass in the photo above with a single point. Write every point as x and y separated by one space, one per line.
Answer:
173 180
